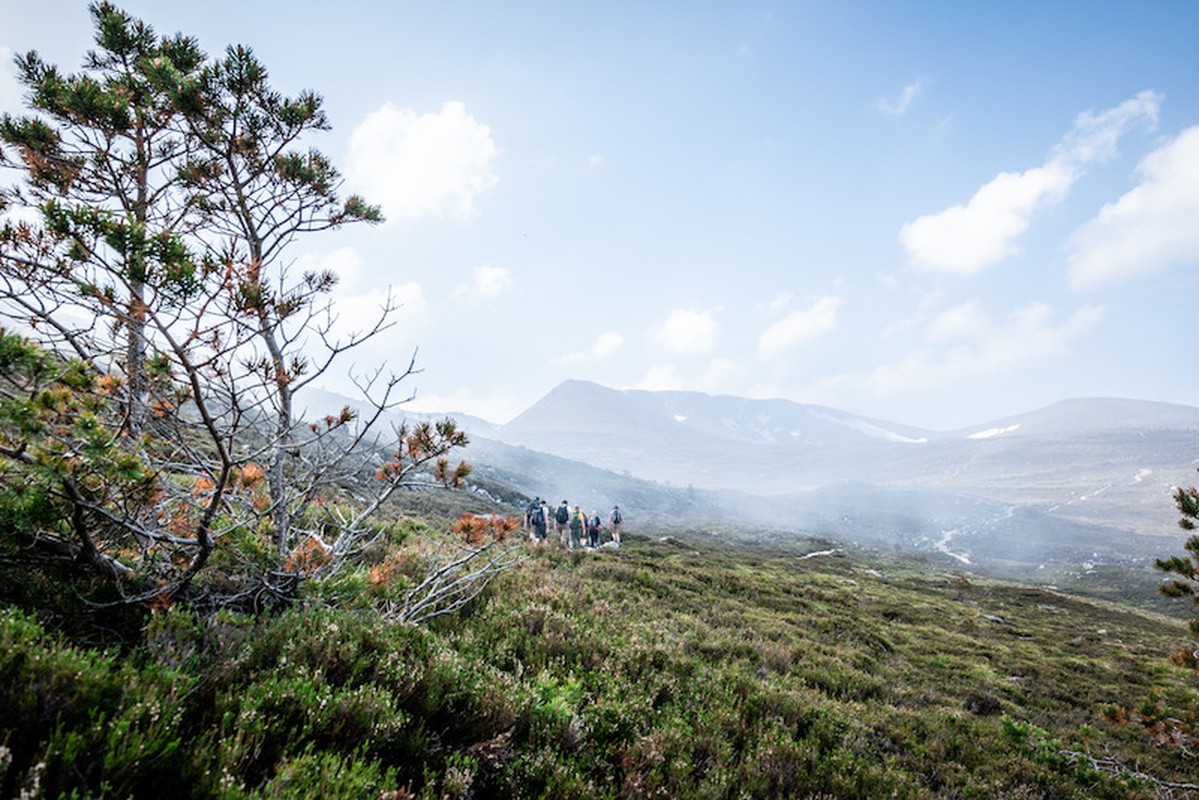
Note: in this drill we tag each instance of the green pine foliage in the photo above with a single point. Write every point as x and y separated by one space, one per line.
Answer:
1169 722
147 433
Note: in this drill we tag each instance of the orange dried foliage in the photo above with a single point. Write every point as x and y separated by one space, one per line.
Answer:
308 557
107 384
472 529
251 474
390 470
162 408
203 486
475 529
382 573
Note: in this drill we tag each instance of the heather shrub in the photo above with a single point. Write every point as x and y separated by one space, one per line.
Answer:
78 719
570 679
321 774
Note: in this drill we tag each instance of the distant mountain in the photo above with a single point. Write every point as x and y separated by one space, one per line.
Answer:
1097 461
683 416
1091 414
313 401
1054 491
515 473
688 438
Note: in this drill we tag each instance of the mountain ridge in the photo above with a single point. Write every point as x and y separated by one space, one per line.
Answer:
1080 445
1082 481
1118 411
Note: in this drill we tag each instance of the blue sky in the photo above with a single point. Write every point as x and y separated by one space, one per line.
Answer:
934 213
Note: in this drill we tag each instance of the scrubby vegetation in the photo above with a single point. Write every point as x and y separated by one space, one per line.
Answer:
203 594
661 669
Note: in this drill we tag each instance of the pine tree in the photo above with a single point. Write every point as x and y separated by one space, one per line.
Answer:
155 295
100 158
96 280
1186 568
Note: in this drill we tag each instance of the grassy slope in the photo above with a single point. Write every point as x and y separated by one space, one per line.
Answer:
663 669
778 674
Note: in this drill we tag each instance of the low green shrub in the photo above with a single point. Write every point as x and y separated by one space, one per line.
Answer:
572 679
77 719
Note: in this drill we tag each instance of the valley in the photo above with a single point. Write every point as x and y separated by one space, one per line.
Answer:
1051 497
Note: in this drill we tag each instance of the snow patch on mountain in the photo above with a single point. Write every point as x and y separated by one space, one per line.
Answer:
991 433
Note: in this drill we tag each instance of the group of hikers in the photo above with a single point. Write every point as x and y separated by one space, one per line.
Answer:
573 528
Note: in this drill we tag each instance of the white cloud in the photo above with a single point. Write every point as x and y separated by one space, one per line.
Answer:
595 162
605 345
422 165
899 106
800 327
687 330
357 312
664 378
488 281
966 238
765 391
967 321
357 305
1029 335
1151 228
1095 135
776 305
944 127
986 229
667 377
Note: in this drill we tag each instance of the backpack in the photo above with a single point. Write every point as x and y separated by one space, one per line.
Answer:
537 517
563 515
594 522
616 518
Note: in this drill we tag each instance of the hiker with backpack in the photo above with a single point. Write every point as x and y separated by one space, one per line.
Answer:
593 529
533 506
577 522
561 518
615 520
537 523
